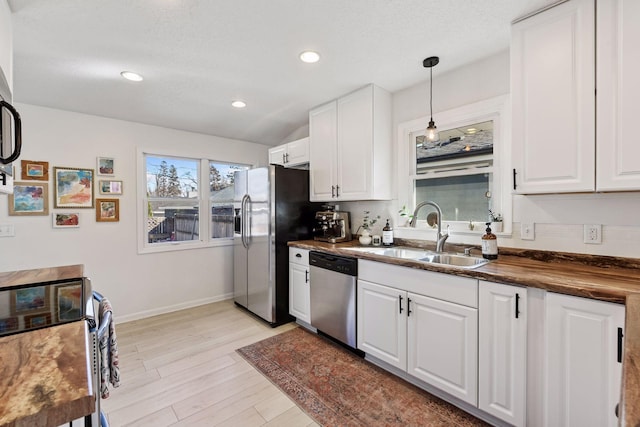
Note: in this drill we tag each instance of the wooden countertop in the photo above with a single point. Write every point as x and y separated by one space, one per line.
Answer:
45 378
40 275
600 279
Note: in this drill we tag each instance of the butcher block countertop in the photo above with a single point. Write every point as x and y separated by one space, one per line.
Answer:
603 278
45 379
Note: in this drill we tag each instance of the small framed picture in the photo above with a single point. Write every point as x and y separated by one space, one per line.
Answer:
36 171
27 300
66 220
110 187
105 166
8 324
37 320
107 210
69 302
73 187
29 198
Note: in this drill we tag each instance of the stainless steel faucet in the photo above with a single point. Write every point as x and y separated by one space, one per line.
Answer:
440 238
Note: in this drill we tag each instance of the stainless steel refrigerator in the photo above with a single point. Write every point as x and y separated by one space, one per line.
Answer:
271 208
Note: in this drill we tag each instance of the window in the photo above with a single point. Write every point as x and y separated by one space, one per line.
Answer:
177 192
461 171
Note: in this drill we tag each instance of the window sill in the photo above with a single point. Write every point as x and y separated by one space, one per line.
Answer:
183 246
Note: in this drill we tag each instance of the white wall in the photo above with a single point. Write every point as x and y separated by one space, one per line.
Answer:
6 42
137 285
558 219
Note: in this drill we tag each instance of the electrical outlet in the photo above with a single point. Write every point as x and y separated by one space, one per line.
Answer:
7 230
527 231
593 234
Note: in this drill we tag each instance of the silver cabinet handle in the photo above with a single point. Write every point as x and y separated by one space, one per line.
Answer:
333 190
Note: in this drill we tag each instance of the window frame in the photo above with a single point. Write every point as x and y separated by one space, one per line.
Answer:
496 109
204 204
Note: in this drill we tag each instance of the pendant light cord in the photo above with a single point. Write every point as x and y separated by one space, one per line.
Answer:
431 92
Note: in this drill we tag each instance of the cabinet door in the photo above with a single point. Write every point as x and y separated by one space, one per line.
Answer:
442 346
583 372
299 295
297 152
382 323
502 324
552 90
322 152
355 145
277 155
618 68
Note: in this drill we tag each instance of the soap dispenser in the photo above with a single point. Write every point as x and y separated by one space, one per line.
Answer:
489 244
387 235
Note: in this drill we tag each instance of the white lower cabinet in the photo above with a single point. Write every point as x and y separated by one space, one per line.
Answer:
432 335
583 359
442 345
502 351
299 291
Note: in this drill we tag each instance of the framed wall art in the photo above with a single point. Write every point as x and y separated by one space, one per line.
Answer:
28 300
69 302
37 171
105 166
29 198
37 320
66 220
107 210
8 324
110 187
73 187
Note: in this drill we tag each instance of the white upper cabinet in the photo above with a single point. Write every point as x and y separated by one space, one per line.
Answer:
294 153
574 87
350 147
618 83
552 89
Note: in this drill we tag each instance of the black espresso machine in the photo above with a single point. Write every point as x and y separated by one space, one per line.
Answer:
331 225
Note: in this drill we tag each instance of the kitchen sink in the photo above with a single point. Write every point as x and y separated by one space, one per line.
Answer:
422 255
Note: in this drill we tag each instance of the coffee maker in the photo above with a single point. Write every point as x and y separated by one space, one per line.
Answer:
331 225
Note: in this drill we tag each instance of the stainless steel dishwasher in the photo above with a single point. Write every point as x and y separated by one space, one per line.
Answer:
333 295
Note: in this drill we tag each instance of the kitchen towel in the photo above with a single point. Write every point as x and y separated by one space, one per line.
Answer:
108 345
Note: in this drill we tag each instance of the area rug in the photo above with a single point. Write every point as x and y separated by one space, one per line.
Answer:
337 388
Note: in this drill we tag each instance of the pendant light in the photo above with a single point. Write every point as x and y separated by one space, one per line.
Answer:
432 131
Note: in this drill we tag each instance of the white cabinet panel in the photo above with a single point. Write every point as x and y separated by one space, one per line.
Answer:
322 152
299 291
618 68
502 333
294 153
583 373
277 155
443 346
552 89
382 323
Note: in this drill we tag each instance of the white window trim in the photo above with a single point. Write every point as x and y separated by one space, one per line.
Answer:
497 109
144 247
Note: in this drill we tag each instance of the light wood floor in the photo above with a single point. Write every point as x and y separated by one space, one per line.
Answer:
181 369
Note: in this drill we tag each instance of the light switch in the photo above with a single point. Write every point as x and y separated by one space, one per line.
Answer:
527 231
7 230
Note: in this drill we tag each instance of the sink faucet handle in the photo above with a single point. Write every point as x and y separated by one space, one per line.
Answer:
467 251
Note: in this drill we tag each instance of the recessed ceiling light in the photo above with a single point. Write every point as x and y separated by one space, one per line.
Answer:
309 56
130 75
472 130
238 104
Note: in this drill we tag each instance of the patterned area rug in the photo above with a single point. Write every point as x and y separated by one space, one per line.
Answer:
337 388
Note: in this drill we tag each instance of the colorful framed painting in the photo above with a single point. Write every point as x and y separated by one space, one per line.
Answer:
36 171
110 187
69 302
29 198
27 300
66 220
107 210
37 320
105 166
8 324
73 187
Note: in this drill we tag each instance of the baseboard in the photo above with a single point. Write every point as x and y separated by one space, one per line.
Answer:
171 308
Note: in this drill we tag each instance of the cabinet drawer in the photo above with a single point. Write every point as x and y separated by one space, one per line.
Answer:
299 256
447 287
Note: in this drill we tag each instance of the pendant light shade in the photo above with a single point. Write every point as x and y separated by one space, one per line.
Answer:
432 130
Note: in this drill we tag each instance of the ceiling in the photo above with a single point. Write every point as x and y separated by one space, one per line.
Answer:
198 55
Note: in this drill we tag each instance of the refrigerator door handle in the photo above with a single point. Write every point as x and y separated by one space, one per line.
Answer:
243 219
248 216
